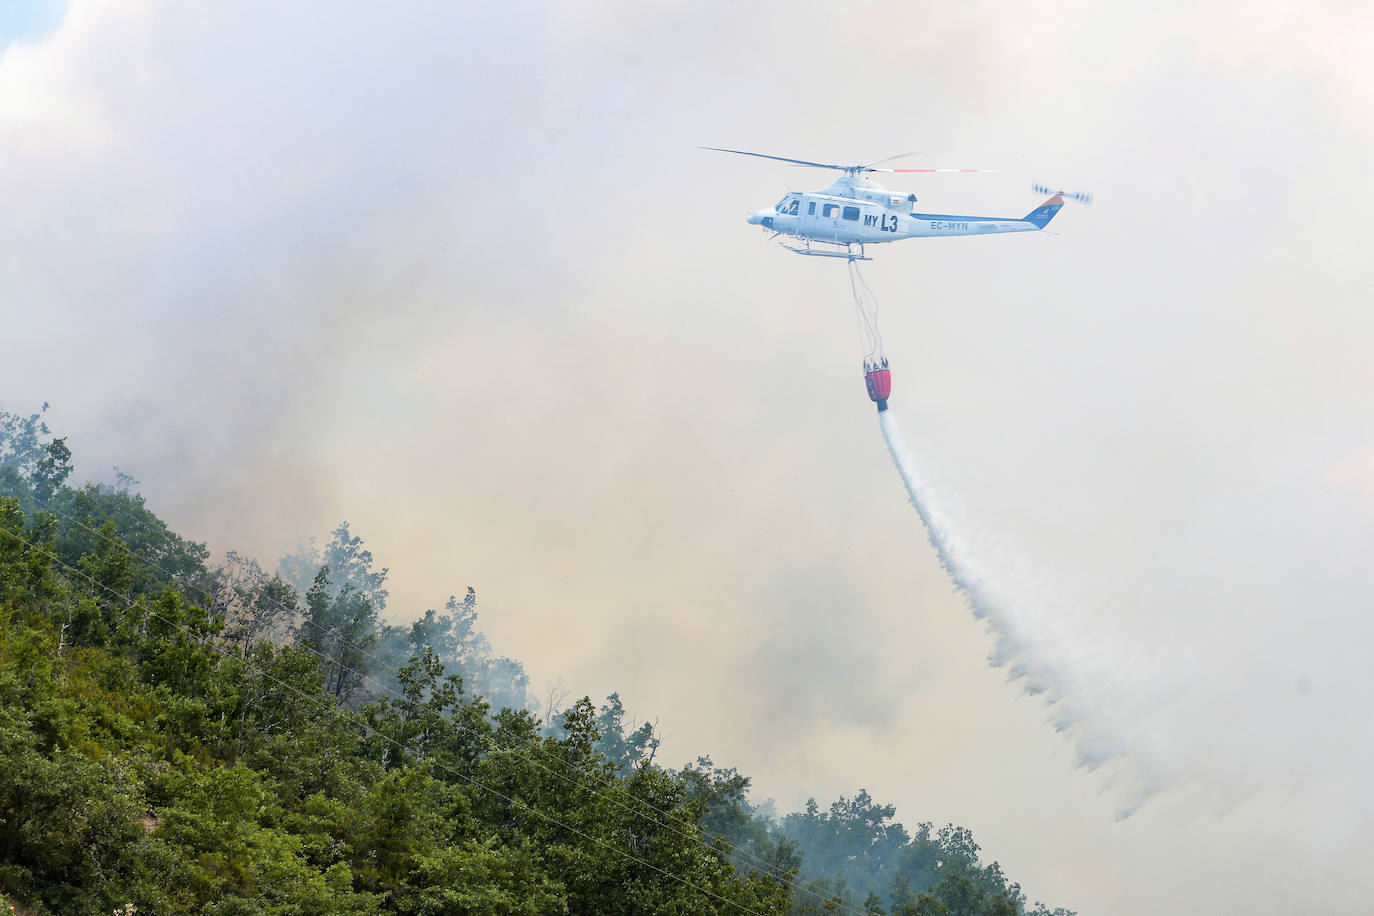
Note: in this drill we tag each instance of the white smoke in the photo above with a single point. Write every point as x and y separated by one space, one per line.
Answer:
1032 642
1162 705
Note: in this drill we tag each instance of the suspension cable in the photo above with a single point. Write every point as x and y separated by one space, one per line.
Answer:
862 295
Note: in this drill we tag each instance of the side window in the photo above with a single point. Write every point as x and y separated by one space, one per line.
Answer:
831 211
793 209
811 208
851 213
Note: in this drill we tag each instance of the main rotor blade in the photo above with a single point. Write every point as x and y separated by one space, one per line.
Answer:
740 152
869 167
932 170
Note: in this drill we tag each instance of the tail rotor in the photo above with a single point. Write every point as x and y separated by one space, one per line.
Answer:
1082 197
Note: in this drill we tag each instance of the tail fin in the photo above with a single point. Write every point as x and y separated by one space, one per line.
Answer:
1042 214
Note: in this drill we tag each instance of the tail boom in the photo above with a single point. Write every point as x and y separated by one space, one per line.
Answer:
933 224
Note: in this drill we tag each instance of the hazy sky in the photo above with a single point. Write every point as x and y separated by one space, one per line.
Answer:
458 274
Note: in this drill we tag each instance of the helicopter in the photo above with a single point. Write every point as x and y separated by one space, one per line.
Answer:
855 211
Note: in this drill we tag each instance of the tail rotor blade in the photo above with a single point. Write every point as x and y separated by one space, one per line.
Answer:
1082 197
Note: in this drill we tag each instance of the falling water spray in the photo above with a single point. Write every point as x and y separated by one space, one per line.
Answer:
1024 632
939 539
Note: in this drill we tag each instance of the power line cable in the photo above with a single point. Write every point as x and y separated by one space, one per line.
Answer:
348 717
754 862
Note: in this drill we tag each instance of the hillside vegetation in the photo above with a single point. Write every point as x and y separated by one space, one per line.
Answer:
177 737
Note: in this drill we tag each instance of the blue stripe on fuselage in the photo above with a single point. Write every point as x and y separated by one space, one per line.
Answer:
962 218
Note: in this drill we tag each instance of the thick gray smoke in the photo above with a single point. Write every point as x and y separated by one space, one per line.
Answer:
459 274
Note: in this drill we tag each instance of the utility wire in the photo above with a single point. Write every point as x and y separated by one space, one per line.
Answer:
754 862
343 714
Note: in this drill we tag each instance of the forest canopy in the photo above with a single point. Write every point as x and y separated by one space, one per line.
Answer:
180 735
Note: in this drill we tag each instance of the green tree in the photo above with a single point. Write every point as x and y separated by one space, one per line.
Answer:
24 442
250 604
350 565
93 516
430 720
342 629
855 838
53 469
624 750
159 749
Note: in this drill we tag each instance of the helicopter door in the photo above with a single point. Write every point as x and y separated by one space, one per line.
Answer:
827 220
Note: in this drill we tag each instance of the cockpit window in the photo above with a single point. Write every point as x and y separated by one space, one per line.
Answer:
787 205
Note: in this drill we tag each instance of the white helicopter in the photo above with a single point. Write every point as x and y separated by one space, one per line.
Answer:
854 212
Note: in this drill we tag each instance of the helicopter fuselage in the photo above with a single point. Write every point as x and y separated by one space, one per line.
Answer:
856 211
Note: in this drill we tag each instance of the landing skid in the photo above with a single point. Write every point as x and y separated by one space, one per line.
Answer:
848 253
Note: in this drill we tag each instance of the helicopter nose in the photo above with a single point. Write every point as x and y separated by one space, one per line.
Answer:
762 218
